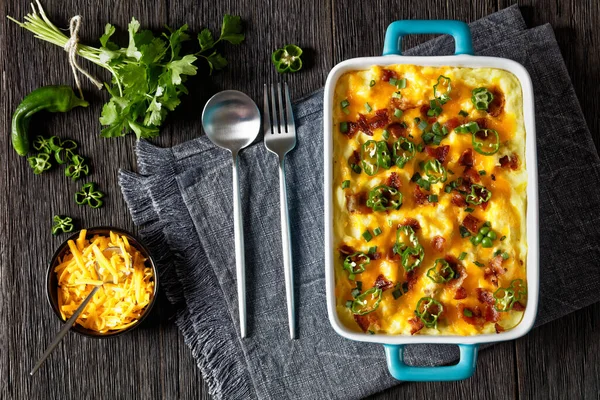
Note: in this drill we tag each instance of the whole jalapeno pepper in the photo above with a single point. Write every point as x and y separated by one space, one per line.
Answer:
47 98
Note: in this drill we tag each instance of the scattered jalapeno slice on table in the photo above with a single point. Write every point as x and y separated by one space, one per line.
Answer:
40 163
77 168
287 59
62 224
89 195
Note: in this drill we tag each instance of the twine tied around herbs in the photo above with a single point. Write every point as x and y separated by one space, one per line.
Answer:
71 48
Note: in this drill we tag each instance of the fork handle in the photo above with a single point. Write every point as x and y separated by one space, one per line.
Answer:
287 250
240 265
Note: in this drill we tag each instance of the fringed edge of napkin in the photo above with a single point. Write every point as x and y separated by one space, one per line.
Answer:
207 328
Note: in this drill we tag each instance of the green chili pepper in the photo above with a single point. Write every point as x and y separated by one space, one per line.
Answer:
62 224
64 152
481 98
486 142
408 247
48 98
383 198
435 171
367 302
77 168
384 160
441 272
287 59
441 90
42 144
479 194
429 310
403 151
469 127
89 195
505 299
519 288
40 163
368 156
356 263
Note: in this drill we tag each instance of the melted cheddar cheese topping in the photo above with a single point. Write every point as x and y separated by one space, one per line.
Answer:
480 240
127 284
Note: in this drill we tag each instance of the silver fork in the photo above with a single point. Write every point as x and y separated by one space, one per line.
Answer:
280 138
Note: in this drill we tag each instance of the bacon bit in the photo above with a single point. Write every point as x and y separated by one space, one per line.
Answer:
394 181
493 177
511 162
413 223
375 256
411 279
466 158
363 125
460 273
416 325
388 74
346 250
352 129
438 243
461 293
458 200
403 104
471 174
490 314
440 152
420 197
484 205
379 120
475 318
354 158
496 264
383 283
499 328
496 107
365 321
484 296
393 256
518 306
397 130
432 120
424 109
357 203
471 223
452 123
482 123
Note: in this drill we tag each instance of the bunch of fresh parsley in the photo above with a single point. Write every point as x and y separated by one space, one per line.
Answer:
149 75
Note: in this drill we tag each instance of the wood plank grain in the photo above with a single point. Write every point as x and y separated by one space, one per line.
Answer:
562 358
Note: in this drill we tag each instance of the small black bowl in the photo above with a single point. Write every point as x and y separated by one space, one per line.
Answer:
52 279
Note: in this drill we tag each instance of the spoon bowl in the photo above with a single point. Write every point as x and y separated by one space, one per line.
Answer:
231 120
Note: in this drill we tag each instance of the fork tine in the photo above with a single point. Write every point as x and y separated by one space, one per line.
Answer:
281 117
275 125
291 127
267 127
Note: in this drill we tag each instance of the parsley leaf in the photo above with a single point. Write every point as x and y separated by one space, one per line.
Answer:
231 30
206 40
184 66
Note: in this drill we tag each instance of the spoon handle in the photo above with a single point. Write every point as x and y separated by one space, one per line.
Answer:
63 331
288 269
240 265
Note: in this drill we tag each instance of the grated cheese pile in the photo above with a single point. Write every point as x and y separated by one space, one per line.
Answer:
127 289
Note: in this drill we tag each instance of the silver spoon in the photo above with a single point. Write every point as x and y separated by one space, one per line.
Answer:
71 321
231 120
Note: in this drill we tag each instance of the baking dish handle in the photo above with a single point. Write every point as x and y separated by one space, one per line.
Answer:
398 29
404 372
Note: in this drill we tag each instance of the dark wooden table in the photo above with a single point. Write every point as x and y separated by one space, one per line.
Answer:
559 360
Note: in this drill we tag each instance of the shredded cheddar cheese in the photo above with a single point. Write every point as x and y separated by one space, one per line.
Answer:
127 283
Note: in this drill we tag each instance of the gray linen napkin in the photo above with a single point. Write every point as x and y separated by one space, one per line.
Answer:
181 200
